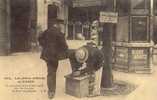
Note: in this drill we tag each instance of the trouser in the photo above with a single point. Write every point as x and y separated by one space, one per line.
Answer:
51 75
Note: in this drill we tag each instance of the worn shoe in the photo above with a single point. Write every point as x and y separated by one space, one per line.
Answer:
51 95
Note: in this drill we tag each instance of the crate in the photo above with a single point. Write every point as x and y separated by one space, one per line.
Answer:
77 86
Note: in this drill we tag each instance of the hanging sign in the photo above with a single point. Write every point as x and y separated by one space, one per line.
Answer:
108 17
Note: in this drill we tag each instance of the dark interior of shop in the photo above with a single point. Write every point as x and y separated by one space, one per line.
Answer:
20 16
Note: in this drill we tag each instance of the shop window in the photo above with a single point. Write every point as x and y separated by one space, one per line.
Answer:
86 31
139 29
155 7
140 6
123 7
122 30
155 30
109 6
70 31
78 27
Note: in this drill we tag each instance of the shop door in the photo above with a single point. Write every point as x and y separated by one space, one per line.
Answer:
20 16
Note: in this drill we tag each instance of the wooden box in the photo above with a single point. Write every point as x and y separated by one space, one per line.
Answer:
77 86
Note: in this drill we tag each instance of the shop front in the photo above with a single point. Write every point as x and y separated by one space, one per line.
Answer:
134 36
17 25
155 33
82 14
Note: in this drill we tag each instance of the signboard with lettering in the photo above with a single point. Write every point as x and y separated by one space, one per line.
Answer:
108 17
139 54
139 57
121 57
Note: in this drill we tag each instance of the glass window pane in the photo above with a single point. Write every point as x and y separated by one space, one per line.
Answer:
109 6
123 7
70 31
78 27
122 29
139 28
155 7
155 30
140 4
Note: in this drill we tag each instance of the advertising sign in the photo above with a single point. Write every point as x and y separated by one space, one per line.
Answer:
108 17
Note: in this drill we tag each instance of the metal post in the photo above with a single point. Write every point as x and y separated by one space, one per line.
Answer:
107 77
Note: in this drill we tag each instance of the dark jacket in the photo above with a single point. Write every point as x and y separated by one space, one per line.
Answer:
95 58
53 44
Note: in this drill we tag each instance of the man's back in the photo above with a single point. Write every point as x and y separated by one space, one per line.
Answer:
53 43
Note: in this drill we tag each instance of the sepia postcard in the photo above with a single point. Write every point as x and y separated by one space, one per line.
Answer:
78 49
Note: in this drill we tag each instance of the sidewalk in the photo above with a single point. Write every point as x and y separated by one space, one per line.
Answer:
29 65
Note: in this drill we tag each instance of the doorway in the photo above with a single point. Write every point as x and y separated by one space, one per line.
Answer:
20 18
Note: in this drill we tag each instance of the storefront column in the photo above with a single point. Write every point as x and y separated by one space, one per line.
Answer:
151 33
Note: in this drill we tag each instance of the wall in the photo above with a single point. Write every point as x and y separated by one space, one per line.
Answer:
4 27
42 9
41 15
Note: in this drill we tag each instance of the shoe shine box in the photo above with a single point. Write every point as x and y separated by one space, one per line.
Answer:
77 86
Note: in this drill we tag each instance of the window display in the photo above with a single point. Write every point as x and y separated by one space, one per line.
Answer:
123 7
140 6
139 29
